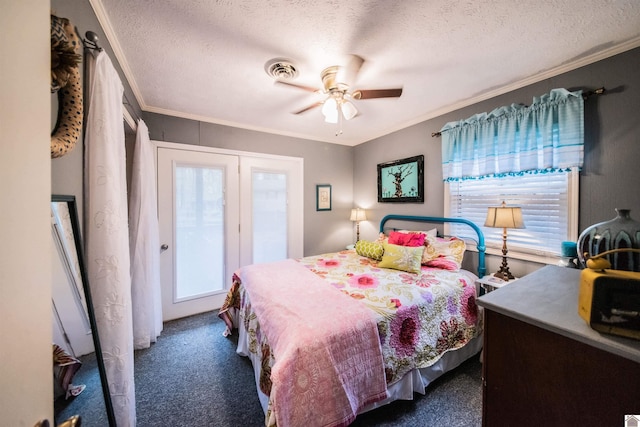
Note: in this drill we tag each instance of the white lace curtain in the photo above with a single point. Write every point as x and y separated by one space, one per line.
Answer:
144 244
107 234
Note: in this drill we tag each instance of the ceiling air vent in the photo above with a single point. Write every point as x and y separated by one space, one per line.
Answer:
280 69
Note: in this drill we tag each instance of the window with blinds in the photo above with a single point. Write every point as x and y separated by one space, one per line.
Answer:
549 203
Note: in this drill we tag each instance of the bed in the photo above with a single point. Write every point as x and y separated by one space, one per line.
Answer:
338 334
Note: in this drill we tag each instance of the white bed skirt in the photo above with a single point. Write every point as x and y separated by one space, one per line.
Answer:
415 381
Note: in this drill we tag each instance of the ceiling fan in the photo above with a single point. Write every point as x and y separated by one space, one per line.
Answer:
336 81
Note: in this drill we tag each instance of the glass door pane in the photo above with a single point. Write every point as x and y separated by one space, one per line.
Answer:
199 231
269 216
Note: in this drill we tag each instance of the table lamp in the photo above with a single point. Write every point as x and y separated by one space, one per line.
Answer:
504 217
358 215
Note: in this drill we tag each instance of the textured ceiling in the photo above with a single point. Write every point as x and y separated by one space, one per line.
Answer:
205 59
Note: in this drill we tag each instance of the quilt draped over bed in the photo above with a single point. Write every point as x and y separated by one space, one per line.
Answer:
325 345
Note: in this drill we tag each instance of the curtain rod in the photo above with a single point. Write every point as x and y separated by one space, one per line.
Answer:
585 96
91 41
130 115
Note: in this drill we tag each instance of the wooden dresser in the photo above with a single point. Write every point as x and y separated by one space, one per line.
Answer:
544 366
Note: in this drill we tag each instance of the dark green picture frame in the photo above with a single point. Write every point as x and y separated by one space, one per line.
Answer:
323 197
401 181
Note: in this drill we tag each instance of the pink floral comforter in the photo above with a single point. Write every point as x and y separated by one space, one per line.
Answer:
419 316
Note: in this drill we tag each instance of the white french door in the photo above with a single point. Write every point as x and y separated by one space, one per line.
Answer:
198 202
218 211
272 210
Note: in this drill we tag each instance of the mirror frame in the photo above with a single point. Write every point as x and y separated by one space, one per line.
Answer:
75 225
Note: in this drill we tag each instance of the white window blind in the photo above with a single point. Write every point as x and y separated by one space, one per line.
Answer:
549 203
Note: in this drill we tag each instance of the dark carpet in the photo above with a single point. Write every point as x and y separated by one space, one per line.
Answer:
193 377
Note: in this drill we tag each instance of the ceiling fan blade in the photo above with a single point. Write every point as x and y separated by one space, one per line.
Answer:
307 88
307 108
349 73
376 93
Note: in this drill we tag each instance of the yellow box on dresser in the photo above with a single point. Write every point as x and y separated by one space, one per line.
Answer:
609 301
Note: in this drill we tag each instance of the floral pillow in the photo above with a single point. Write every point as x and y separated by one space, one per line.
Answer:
404 258
406 239
444 252
373 250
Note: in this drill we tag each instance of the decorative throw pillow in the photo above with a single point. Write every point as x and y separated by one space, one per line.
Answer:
382 238
404 258
433 232
444 252
371 250
406 239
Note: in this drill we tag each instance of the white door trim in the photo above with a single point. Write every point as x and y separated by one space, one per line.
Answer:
200 148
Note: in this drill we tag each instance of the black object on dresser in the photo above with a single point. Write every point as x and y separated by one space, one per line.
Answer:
543 365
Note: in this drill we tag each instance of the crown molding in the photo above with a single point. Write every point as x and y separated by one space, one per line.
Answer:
552 72
105 23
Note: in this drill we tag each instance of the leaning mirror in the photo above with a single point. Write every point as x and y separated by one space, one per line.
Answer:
80 382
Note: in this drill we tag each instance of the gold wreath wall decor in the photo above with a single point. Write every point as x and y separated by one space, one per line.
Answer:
65 79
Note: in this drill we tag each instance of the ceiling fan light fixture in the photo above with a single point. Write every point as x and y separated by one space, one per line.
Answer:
349 110
330 110
336 87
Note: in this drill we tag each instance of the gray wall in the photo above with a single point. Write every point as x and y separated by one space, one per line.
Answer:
611 172
324 163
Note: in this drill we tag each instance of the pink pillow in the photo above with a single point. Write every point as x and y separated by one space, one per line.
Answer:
406 239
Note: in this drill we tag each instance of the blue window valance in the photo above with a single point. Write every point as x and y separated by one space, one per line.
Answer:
548 135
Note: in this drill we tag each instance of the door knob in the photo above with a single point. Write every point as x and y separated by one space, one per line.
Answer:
164 247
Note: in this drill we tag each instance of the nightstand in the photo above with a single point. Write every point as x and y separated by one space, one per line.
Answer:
490 283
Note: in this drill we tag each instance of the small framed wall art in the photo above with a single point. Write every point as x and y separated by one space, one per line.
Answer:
401 181
323 197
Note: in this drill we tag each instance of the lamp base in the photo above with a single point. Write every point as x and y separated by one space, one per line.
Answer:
504 272
504 275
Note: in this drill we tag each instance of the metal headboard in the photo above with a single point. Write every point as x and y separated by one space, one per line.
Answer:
441 220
